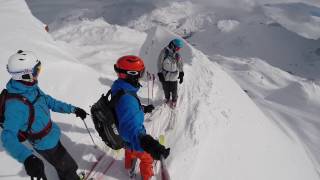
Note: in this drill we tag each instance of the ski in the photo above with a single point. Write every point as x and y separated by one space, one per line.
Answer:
164 173
163 168
132 171
104 172
86 176
158 170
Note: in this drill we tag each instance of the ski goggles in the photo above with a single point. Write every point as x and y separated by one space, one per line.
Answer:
132 73
36 70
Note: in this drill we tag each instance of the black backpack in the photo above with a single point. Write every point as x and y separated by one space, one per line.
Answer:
23 135
105 119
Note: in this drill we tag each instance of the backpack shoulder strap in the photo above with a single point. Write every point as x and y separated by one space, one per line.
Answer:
114 100
25 101
3 97
166 53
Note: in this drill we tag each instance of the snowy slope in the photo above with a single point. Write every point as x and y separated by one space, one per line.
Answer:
222 138
292 102
301 18
218 132
62 77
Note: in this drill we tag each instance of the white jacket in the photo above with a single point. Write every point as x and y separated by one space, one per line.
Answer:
170 64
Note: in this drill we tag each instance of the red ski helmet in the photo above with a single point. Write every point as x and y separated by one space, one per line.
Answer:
129 67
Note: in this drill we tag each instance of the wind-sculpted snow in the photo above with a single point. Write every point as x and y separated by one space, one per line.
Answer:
183 18
227 25
301 18
97 43
290 101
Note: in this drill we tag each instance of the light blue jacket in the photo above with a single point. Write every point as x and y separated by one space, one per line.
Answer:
17 115
130 115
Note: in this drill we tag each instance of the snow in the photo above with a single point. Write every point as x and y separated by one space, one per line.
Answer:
227 25
240 115
297 17
291 102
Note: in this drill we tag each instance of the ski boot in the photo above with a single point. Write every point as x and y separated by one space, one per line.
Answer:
167 101
173 104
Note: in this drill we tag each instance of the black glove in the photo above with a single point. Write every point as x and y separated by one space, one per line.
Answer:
161 77
34 167
153 147
148 109
80 113
181 74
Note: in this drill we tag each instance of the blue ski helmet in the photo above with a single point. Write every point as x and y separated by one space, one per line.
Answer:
177 43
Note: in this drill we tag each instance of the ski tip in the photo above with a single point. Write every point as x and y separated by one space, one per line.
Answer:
161 139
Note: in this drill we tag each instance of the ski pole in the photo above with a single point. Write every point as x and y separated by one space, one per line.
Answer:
85 124
148 77
153 79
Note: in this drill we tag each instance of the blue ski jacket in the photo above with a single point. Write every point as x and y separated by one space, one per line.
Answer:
130 115
17 116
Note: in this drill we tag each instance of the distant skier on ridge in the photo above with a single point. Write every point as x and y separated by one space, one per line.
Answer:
170 69
27 117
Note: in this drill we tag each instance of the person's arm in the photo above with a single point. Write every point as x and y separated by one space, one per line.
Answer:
179 62
180 68
58 106
160 60
16 117
62 107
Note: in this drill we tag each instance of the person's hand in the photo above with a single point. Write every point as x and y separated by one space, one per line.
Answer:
181 74
80 113
34 167
161 77
148 109
153 147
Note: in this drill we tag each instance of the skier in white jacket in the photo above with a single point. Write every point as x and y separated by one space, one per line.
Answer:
170 70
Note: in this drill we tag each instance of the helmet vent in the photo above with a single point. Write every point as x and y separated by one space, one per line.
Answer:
20 51
132 60
21 59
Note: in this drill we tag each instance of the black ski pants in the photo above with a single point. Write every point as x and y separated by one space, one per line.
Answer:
170 88
64 164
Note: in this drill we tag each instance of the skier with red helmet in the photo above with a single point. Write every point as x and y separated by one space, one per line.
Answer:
130 115
170 70
27 117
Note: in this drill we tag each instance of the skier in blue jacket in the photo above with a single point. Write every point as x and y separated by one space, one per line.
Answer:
130 115
44 134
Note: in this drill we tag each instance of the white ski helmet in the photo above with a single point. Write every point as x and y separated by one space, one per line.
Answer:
24 65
